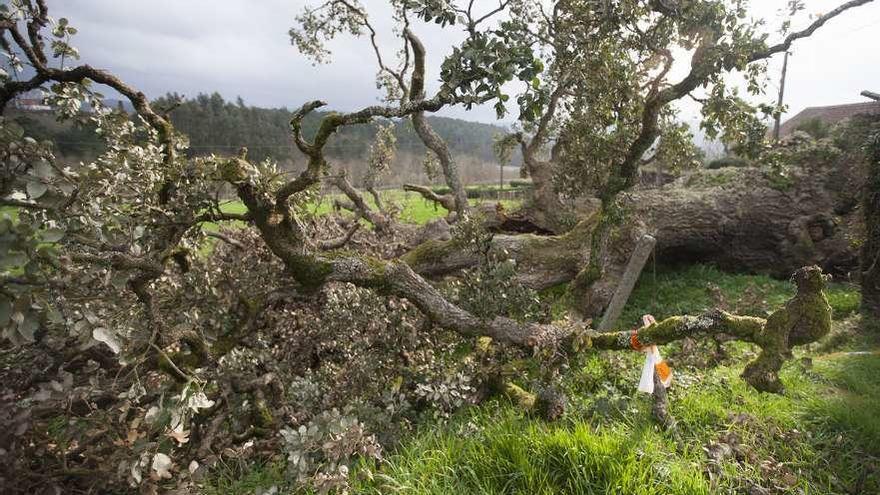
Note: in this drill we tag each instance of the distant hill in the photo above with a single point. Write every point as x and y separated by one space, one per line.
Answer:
72 141
117 103
218 126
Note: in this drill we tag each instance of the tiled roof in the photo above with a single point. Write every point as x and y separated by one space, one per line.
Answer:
829 115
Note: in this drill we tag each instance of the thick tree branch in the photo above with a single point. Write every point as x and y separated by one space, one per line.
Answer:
446 201
703 65
225 238
21 204
426 133
819 22
339 242
34 53
359 206
331 123
121 261
870 94
804 319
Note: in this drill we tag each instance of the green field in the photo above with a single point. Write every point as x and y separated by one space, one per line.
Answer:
413 207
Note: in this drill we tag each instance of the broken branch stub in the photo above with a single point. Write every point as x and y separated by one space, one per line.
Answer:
634 268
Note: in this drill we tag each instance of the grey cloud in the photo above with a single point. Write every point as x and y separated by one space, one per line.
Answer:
240 47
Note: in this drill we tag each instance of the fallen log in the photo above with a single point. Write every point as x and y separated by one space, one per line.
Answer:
741 219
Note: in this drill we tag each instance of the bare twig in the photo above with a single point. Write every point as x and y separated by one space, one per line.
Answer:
225 238
339 242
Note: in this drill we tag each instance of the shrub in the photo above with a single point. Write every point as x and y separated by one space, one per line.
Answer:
728 161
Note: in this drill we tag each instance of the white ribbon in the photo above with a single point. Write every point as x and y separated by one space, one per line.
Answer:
652 359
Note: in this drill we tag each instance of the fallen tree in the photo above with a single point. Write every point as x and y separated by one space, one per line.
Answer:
121 317
741 219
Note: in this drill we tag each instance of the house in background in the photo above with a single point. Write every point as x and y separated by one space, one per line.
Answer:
32 101
828 115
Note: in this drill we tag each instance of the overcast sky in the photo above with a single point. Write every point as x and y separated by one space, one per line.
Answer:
241 48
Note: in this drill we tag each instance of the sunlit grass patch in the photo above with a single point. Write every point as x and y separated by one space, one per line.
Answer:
496 449
697 288
413 208
820 437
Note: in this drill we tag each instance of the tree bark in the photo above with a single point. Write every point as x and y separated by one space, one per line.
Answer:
426 133
870 255
546 209
447 201
381 222
438 146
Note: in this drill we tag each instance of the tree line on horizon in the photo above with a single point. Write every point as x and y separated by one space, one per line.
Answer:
216 125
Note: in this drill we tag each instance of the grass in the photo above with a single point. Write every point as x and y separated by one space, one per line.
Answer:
696 288
414 209
240 477
499 451
821 437
11 211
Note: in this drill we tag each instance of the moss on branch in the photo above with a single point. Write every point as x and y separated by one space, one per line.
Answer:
804 319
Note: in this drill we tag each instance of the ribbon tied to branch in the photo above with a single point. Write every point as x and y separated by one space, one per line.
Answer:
654 363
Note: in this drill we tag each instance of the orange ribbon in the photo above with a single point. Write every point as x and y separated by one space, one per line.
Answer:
634 341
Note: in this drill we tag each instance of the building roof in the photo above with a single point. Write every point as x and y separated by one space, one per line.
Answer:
829 115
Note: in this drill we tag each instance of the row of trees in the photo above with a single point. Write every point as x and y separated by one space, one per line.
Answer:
214 125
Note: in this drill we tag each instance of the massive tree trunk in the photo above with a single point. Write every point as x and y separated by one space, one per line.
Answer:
741 219
545 208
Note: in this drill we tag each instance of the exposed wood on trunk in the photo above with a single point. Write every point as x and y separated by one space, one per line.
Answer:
628 281
737 218
542 261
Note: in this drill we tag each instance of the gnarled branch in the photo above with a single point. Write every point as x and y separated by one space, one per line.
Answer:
702 66
446 200
428 135
359 206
